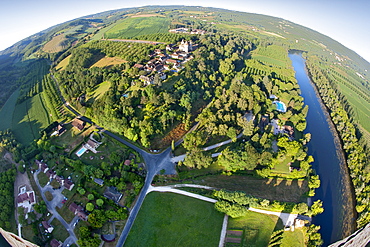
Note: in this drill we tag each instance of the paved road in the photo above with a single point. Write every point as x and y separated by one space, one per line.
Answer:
51 207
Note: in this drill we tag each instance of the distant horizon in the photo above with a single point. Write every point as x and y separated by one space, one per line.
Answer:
331 18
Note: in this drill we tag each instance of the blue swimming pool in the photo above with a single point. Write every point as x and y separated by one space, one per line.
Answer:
81 151
280 106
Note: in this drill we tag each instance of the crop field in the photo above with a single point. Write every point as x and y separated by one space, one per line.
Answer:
133 27
108 61
195 222
63 64
268 188
269 60
357 94
55 44
6 112
30 117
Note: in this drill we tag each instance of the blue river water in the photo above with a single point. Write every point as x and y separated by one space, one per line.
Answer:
338 219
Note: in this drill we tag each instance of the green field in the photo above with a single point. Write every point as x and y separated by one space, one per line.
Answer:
257 228
167 219
98 91
6 113
30 117
63 64
133 27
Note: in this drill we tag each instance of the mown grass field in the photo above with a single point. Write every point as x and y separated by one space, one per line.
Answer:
99 91
257 228
30 117
133 27
108 61
167 219
55 44
6 113
63 64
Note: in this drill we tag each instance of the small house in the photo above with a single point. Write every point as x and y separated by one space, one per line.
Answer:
99 181
47 226
112 194
68 184
78 124
55 243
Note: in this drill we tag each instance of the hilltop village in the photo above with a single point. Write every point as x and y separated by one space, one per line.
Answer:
172 59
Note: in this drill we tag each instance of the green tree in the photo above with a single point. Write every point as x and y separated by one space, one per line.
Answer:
99 202
89 207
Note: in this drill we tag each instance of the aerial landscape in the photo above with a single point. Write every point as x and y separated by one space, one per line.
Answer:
183 126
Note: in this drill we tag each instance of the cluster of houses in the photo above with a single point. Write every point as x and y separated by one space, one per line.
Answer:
187 30
67 183
26 199
172 59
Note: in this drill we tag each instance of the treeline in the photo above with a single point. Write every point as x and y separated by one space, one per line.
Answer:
230 202
7 179
356 157
9 143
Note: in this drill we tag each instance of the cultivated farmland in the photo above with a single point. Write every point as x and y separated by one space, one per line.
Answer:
167 219
56 44
6 113
30 117
133 27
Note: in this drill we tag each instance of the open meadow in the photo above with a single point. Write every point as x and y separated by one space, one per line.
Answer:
167 219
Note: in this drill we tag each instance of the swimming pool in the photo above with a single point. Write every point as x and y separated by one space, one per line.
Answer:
81 151
280 106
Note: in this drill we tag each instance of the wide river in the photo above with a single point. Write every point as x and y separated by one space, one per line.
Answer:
338 219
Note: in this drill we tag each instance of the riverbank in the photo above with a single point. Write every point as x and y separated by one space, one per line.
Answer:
350 215
338 219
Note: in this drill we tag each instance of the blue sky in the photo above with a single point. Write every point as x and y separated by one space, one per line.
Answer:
346 21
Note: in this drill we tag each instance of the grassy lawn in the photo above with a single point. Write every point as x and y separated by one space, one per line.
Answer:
43 179
48 196
27 232
195 222
295 238
98 91
257 228
283 167
108 61
66 213
269 188
59 233
6 113
71 138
